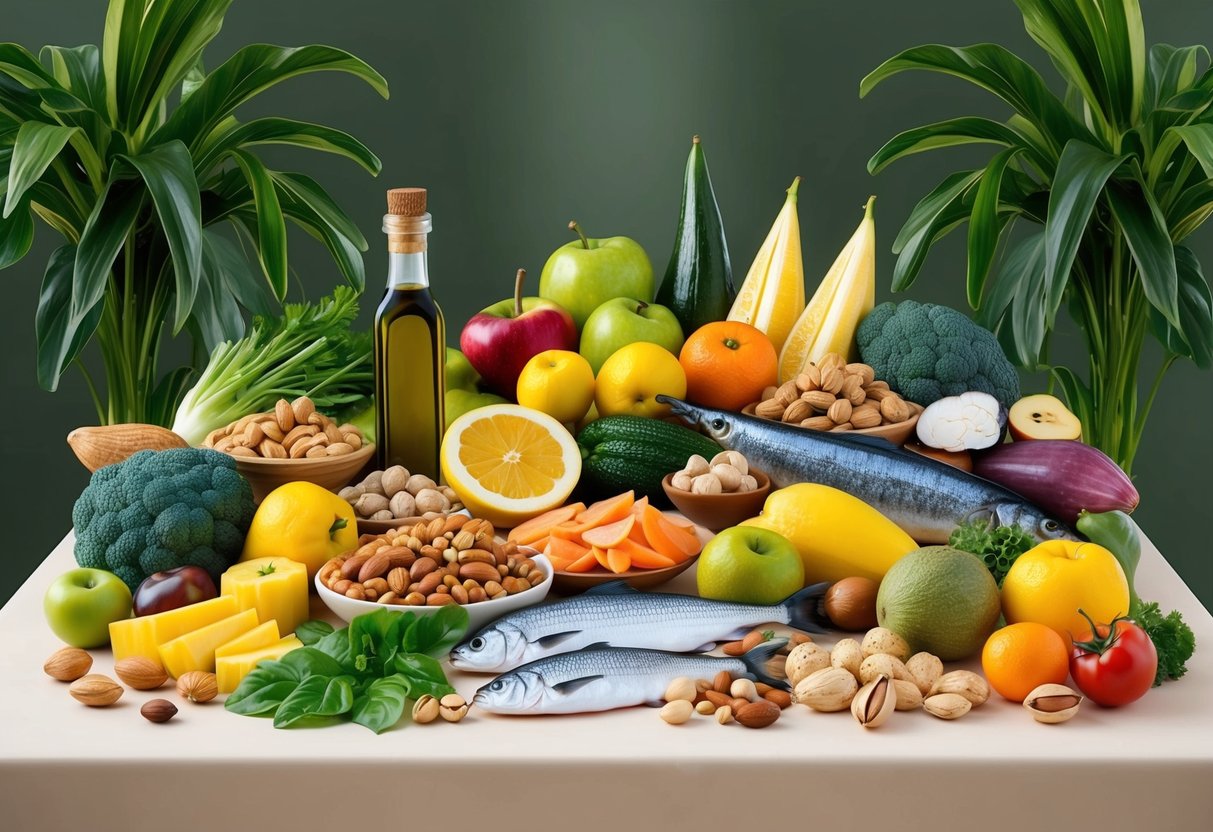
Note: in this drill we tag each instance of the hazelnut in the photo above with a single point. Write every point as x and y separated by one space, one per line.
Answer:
430 499
418 483
158 710
394 480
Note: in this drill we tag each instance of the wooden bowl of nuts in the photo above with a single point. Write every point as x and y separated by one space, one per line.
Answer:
388 499
450 560
292 442
722 509
838 397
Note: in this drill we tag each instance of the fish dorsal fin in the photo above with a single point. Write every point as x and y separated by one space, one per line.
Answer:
871 441
573 685
598 645
556 638
616 587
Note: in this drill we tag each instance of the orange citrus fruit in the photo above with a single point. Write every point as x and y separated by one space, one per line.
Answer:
1020 657
728 364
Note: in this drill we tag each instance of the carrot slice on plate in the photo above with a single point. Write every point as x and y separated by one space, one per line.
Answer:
607 511
566 550
569 530
610 535
618 561
525 534
643 557
600 555
585 563
667 538
640 505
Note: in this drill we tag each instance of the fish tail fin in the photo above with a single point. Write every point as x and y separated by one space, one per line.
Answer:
806 608
756 659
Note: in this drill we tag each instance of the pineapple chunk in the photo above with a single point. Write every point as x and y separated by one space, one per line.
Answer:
263 635
143 636
231 670
196 650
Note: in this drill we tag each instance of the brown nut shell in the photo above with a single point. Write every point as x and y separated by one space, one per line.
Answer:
851 604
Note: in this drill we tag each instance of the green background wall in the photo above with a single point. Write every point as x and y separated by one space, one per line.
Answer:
519 116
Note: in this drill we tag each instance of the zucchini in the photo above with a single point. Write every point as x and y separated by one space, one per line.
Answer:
630 452
698 284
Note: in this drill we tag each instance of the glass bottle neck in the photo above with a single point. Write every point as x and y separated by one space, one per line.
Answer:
407 269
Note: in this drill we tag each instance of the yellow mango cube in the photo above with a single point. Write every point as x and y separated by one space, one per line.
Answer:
231 670
275 587
263 635
196 650
143 636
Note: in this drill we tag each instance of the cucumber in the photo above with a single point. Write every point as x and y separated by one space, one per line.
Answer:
698 284
629 452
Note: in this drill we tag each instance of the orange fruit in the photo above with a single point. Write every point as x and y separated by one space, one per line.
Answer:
728 364
1020 657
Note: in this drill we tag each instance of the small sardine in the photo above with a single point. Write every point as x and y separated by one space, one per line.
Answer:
603 678
615 614
925 497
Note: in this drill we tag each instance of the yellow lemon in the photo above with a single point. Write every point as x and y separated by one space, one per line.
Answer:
303 522
1050 583
633 376
509 463
559 383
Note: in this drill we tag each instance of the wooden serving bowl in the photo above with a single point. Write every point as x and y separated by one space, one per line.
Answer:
570 583
719 511
897 433
331 472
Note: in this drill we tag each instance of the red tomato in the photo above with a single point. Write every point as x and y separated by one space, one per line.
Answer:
1113 664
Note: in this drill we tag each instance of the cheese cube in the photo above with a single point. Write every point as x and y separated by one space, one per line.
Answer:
231 670
196 650
143 636
275 587
263 635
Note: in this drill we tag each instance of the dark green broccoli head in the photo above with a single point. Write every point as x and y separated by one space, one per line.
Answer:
927 352
159 510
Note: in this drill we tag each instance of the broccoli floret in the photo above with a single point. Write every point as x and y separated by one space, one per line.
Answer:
927 352
159 510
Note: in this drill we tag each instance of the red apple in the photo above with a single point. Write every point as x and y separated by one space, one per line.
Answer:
173 588
500 339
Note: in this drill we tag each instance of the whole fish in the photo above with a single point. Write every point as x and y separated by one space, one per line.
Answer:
615 614
925 497
602 678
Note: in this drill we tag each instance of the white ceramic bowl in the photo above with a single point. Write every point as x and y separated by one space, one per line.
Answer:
479 614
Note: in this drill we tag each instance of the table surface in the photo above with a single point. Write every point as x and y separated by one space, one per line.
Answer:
1147 764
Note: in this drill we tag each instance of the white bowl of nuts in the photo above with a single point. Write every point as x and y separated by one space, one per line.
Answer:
449 560
394 497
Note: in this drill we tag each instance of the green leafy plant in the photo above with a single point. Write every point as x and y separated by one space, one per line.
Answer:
97 144
1118 174
364 672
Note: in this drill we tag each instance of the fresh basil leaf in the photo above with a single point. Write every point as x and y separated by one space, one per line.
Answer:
316 696
381 705
375 639
309 661
435 635
423 673
337 645
310 632
263 688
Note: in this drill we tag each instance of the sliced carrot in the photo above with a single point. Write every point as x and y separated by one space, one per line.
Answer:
541 544
667 538
585 563
643 557
601 556
607 511
680 522
618 561
610 535
637 532
640 505
564 549
525 534
569 530
559 564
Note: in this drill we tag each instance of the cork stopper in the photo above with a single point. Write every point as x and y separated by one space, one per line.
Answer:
406 202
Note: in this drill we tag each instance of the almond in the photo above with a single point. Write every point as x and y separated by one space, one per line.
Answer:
819 399
722 682
798 411
770 409
284 417
805 382
352 567
198 686
840 411
787 393
865 416
758 714
479 572
717 698
894 409
818 423
302 408
866 374
831 380
140 672
780 697
374 566
96 690
271 449
99 446
68 664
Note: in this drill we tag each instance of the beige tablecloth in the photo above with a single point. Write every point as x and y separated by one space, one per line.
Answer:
66 767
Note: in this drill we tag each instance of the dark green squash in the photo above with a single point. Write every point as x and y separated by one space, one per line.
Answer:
621 453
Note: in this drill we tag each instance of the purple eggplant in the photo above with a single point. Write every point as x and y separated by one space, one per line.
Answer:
1062 476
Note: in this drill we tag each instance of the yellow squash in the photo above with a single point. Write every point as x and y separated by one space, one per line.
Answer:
846 295
838 536
772 296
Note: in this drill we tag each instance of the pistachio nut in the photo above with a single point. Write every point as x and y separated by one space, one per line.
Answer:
968 684
829 689
882 664
805 659
874 702
847 655
947 705
909 697
1052 703
925 668
884 640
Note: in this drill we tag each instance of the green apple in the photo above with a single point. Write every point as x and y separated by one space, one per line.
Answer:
80 604
581 275
458 402
622 321
462 393
459 372
749 565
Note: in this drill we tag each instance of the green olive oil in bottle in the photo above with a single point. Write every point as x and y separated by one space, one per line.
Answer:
410 344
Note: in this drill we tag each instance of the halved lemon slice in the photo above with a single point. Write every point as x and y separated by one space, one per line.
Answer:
509 463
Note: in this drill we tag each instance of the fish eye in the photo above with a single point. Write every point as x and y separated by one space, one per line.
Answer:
497 685
1051 525
718 424
477 643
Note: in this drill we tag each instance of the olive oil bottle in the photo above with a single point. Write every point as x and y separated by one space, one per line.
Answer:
410 343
